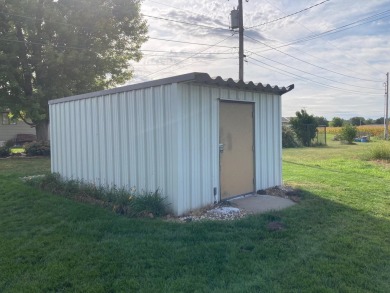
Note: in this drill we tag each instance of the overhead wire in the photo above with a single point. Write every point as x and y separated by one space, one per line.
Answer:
184 52
280 18
335 30
303 71
285 72
330 62
299 59
192 43
181 61
197 57
344 27
187 23
216 45
329 42
318 34
167 40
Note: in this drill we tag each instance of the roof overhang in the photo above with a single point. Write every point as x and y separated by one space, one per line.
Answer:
195 77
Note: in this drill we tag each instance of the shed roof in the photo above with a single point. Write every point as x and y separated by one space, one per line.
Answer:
196 77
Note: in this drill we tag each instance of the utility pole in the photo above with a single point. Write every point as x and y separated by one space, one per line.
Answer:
387 108
241 41
237 22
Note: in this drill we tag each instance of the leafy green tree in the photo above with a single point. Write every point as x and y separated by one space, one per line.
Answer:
305 127
321 120
52 49
369 121
380 120
348 133
337 122
356 121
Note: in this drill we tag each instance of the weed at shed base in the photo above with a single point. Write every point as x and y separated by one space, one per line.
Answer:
121 201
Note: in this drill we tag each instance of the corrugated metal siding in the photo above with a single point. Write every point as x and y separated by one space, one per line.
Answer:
125 139
198 141
163 137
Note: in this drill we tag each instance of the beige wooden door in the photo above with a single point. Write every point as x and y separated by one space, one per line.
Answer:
236 148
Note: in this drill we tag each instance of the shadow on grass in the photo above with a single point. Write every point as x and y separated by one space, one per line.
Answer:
51 243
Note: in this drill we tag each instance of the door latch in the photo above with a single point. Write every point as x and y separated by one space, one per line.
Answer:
221 147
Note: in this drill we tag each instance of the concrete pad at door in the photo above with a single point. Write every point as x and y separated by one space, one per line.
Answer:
261 203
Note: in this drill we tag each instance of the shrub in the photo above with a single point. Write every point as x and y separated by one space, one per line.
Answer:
5 152
348 133
9 143
37 148
305 127
379 151
288 138
147 203
121 201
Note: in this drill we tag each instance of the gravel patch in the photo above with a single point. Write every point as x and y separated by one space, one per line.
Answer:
220 212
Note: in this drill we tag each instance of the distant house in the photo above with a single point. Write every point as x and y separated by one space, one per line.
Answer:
286 121
9 129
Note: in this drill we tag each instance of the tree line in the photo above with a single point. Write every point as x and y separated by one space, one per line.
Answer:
339 122
303 128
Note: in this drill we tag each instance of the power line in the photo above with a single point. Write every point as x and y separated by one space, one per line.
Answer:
198 57
329 42
328 61
344 27
284 72
193 43
184 52
81 48
206 26
335 30
211 46
323 68
280 18
363 87
167 59
184 22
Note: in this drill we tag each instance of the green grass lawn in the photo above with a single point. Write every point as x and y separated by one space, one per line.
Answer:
336 240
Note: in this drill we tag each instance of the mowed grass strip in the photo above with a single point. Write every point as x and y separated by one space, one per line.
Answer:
335 240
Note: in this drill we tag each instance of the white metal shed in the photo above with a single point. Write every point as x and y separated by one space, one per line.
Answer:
196 138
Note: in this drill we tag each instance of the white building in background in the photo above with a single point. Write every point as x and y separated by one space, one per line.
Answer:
9 128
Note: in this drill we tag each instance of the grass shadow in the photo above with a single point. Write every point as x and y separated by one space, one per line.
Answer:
54 244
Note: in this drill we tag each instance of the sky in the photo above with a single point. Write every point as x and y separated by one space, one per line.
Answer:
335 52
